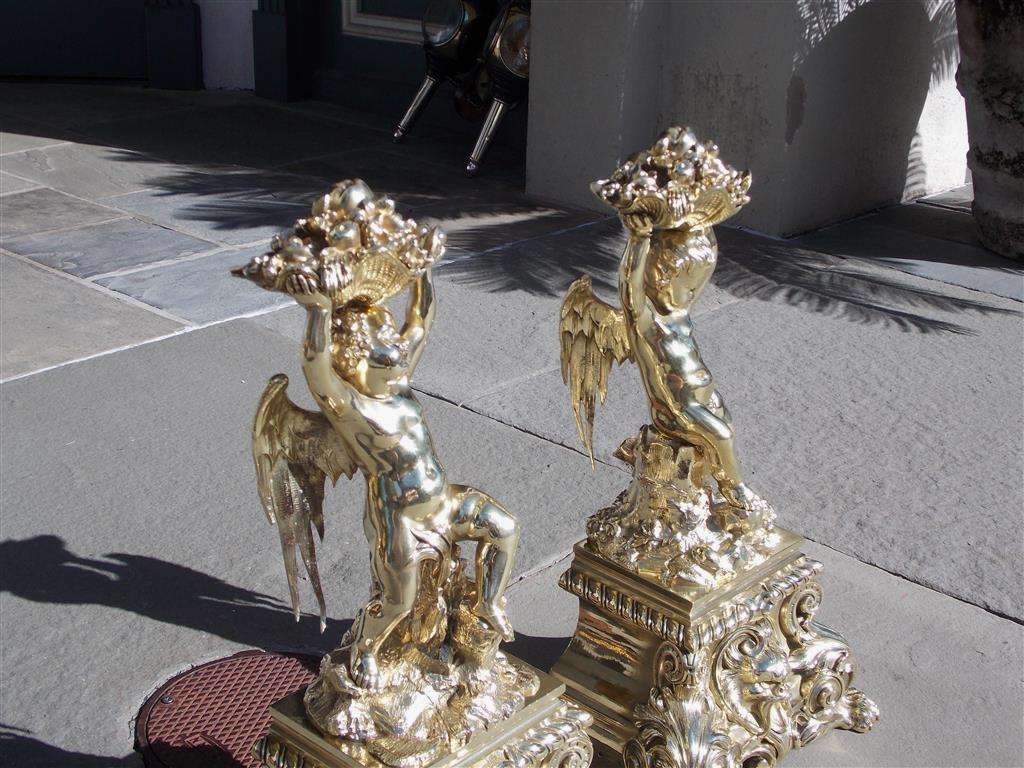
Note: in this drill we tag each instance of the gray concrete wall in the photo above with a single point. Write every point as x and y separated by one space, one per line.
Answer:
227 43
836 106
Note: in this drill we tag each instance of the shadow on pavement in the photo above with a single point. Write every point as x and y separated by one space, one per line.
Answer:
836 286
21 748
43 570
749 267
546 266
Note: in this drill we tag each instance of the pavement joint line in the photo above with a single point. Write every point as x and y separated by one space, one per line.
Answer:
187 328
552 562
923 584
158 264
121 214
29 149
474 254
516 427
19 191
512 382
889 264
217 249
56 230
124 298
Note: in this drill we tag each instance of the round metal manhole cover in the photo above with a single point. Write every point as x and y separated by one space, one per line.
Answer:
211 715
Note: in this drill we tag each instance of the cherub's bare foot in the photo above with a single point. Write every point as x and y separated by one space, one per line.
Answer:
746 511
363 667
497 619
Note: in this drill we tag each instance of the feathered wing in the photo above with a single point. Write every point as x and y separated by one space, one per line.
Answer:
593 335
295 452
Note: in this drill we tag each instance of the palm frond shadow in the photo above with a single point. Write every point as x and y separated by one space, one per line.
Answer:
749 267
842 287
545 266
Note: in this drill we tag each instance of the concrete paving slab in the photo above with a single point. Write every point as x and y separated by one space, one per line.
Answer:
133 538
230 205
47 319
959 198
106 247
937 668
931 221
42 210
88 171
9 183
272 136
844 422
934 258
200 290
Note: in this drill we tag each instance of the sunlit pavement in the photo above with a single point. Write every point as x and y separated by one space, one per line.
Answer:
874 371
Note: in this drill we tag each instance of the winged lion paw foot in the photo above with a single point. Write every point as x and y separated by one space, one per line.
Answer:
862 711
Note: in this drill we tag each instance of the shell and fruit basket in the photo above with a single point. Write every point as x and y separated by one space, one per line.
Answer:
358 247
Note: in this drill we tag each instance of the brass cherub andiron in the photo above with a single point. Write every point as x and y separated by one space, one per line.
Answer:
419 679
696 643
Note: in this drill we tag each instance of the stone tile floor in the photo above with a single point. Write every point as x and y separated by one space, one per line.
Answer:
874 370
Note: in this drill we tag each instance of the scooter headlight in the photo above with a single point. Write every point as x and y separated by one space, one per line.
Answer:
514 45
442 21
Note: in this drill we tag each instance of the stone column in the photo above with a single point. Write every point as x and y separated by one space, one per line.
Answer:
991 78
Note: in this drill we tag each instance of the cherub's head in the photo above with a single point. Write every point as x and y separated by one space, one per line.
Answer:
678 183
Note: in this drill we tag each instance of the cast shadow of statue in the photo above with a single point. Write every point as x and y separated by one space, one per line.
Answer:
42 569
21 748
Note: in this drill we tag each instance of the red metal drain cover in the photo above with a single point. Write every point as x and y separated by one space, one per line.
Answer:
211 715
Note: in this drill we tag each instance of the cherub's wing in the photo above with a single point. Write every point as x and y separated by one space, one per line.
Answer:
295 451
593 334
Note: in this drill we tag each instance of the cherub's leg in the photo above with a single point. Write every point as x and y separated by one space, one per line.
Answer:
715 436
380 617
711 430
480 518
396 576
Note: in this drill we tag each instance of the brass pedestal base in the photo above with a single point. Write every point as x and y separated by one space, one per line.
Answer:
547 732
733 677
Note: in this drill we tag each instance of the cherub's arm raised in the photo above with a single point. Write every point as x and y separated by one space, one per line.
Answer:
317 364
419 316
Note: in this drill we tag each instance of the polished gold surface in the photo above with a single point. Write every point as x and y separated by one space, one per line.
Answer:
420 672
670 521
731 677
544 733
696 643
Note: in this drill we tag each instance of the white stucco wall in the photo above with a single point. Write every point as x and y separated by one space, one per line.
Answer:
227 43
836 106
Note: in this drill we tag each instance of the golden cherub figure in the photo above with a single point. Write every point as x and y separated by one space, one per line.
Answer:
342 264
668 198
